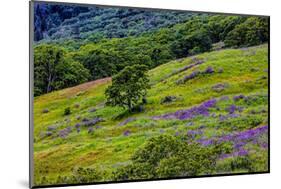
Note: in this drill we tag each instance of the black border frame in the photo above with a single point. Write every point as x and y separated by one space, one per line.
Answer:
31 97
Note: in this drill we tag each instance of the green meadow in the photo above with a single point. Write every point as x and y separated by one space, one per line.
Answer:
237 80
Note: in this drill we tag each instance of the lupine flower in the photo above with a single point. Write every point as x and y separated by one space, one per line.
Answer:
177 133
231 109
64 132
222 117
219 87
77 125
224 98
85 119
197 60
205 142
242 152
202 109
78 130
238 97
48 133
90 130
264 145
194 133
127 121
92 122
127 133
209 70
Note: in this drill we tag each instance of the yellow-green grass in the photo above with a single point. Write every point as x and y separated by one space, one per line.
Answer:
243 70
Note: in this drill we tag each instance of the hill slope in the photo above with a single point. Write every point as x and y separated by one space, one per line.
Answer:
215 96
61 22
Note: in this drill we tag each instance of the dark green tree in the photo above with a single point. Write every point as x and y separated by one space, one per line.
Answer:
53 70
253 31
128 87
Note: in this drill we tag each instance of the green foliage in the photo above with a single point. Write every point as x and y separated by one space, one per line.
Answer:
167 156
59 22
84 175
251 32
67 111
128 87
100 62
54 70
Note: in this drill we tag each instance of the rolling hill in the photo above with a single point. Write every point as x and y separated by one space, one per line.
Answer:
63 22
217 96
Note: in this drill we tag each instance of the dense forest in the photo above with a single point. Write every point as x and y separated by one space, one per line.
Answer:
97 57
56 22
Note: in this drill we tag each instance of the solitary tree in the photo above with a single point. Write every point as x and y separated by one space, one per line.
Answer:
128 87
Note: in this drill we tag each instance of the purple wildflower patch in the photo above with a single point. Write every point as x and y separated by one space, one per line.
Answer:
85 119
90 130
194 133
231 109
78 130
191 76
238 97
77 125
91 122
239 141
48 133
209 70
126 121
64 132
202 109
219 87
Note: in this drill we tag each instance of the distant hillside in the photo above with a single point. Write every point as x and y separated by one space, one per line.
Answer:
57 22
219 96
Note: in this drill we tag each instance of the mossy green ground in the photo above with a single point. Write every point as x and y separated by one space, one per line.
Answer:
241 71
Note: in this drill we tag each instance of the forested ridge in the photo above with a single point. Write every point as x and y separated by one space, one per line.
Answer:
60 22
75 60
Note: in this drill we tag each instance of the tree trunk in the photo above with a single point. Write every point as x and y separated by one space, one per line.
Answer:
49 83
129 105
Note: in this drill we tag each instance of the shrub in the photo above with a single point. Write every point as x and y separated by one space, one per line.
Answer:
84 175
67 111
167 156
168 99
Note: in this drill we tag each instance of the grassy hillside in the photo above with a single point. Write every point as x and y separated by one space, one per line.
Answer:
233 82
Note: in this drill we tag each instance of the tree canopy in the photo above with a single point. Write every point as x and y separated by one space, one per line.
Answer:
128 87
53 70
